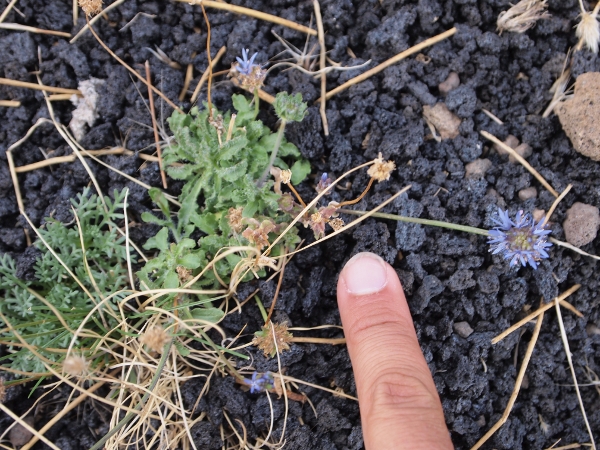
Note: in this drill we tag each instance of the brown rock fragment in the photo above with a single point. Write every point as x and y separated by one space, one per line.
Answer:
527 193
581 224
452 82
19 435
444 121
478 168
523 150
580 115
511 141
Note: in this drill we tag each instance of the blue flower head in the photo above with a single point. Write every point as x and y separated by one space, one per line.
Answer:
522 240
258 384
246 65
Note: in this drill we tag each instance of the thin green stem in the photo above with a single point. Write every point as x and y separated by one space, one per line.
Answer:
265 174
256 103
129 416
434 223
263 312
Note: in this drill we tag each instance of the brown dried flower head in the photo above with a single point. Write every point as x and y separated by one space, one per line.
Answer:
522 16
317 224
381 170
336 224
235 219
183 274
263 339
76 365
253 80
155 338
588 31
257 232
286 176
91 7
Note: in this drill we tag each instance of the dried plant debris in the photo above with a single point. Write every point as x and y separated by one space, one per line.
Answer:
273 337
91 7
522 16
86 112
588 30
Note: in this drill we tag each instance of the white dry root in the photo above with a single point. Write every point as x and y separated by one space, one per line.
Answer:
85 113
522 16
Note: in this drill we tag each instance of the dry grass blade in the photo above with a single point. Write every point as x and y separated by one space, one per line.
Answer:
518 382
39 87
522 16
393 60
19 27
10 103
189 73
322 64
7 10
94 19
559 88
563 335
573 248
206 73
154 126
251 13
522 160
60 97
556 202
561 298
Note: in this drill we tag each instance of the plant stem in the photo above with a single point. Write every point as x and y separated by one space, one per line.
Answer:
435 223
256 103
265 174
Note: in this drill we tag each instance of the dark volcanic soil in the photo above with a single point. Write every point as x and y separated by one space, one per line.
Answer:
449 277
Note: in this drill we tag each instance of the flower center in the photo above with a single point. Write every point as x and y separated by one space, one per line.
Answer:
520 239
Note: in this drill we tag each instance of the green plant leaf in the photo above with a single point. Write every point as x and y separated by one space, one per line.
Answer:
300 170
212 315
160 241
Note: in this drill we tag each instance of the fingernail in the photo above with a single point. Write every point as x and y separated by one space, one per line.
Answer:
365 273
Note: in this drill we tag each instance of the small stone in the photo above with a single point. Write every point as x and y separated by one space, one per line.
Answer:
19 435
525 382
463 329
581 224
523 150
445 122
481 421
511 141
579 115
452 82
478 168
527 193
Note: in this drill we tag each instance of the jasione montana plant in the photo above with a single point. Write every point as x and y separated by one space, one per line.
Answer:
222 158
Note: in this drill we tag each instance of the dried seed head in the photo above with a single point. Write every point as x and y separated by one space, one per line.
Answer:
264 261
155 338
76 365
522 16
337 224
265 340
91 7
286 176
381 170
235 219
183 274
588 31
2 391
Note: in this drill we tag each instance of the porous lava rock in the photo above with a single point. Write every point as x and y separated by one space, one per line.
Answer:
579 115
581 224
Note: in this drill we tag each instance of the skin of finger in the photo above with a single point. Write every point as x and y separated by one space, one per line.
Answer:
399 404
